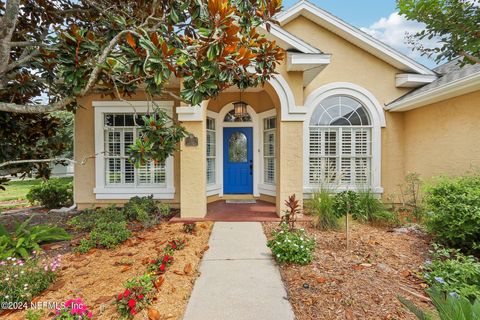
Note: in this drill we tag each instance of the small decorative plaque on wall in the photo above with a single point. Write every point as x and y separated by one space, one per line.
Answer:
191 141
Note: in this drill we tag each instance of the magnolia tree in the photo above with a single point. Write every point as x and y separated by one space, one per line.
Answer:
63 50
456 23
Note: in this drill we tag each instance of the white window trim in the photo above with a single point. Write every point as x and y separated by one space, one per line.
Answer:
101 190
376 113
264 188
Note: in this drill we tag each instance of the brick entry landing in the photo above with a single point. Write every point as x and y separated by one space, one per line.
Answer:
260 211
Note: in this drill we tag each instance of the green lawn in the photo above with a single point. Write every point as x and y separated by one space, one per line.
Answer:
17 191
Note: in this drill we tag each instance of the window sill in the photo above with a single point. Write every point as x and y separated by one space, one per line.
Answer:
267 189
125 193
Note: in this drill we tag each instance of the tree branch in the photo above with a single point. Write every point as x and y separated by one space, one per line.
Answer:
470 57
7 26
22 61
35 108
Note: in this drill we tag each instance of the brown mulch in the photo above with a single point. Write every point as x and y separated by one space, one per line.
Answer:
98 276
362 283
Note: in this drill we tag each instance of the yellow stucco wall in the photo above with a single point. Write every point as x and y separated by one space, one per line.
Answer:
84 146
352 64
443 138
433 140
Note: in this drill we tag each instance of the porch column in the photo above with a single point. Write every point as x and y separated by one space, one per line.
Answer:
193 199
290 163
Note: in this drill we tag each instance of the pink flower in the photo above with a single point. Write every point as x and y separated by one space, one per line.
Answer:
89 315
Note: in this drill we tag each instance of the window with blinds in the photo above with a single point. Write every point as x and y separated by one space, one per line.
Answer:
340 143
269 140
211 151
120 132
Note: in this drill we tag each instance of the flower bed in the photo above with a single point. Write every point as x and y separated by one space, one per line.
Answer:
362 283
99 276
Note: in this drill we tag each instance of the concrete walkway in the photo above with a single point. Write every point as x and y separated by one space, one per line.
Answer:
239 280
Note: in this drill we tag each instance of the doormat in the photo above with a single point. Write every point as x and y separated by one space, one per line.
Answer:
242 201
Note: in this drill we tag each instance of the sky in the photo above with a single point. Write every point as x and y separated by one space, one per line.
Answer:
378 18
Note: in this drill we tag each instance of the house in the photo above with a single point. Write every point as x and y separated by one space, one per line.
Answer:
344 107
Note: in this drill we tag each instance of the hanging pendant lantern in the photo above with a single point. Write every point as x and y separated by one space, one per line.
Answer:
240 107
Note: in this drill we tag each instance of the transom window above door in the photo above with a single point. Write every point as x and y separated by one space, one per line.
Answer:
232 117
340 143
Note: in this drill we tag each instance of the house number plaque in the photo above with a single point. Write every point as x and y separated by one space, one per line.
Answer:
191 141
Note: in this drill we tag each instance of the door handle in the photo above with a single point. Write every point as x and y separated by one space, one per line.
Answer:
251 169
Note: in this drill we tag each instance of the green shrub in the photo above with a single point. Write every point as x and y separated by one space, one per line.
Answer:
448 306
138 207
52 194
345 202
22 280
454 212
291 246
321 207
451 271
165 210
26 239
143 210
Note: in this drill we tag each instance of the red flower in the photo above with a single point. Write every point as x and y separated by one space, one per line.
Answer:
140 296
120 296
153 261
126 293
133 312
162 267
132 303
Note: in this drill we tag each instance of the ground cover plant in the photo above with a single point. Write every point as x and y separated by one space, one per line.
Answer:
52 194
452 271
106 227
23 279
453 206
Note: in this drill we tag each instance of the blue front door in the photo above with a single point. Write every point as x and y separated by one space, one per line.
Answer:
237 161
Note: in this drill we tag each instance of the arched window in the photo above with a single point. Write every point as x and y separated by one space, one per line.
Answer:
340 143
231 117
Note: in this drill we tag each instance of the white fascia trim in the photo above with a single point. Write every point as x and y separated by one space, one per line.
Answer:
352 34
192 113
289 40
306 61
412 80
289 110
447 91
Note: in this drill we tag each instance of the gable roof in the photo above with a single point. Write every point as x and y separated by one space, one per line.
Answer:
289 41
353 35
454 81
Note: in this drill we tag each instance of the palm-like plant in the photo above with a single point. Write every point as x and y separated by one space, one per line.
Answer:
448 307
26 239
